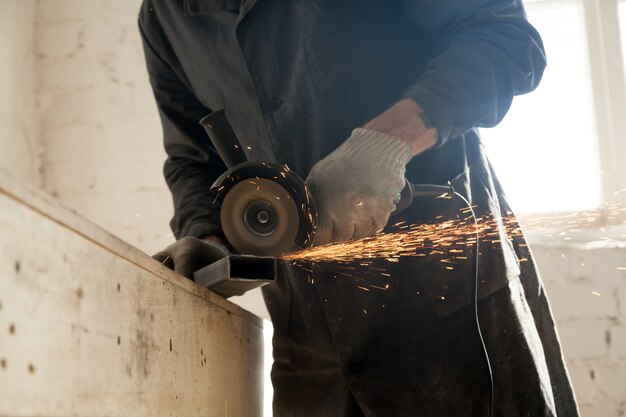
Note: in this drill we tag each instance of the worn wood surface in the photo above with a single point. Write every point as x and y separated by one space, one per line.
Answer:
90 326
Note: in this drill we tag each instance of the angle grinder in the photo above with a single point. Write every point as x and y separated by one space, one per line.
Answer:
267 209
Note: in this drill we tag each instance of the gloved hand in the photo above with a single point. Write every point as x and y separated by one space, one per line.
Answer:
190 254
357 186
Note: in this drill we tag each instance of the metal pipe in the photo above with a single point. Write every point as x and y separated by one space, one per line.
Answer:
237 274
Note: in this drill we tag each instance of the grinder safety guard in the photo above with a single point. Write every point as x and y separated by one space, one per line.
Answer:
266 209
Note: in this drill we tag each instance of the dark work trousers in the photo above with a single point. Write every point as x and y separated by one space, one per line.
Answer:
412 364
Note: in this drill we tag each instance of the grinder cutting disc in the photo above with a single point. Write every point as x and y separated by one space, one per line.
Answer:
259 217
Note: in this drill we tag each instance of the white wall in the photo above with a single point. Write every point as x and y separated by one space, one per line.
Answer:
100 131
19 153
587 292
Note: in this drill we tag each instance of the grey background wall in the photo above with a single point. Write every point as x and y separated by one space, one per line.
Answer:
77 118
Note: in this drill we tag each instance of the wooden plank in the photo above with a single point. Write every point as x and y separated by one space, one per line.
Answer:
90 326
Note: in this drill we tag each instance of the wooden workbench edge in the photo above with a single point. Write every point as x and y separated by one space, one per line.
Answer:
52 209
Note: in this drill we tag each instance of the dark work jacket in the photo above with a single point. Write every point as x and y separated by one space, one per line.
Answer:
295 77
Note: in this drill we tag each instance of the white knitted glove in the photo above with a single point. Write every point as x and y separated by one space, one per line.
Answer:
357 186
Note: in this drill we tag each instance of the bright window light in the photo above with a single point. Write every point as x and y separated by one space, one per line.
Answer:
622 25
545 151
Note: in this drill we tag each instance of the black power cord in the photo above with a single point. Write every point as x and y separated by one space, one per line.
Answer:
436 191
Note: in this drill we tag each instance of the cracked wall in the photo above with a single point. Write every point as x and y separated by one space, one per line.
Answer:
101 135
586 285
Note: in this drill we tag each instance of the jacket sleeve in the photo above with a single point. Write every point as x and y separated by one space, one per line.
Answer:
490 53
192 164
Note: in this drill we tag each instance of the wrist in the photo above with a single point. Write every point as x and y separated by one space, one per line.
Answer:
404 120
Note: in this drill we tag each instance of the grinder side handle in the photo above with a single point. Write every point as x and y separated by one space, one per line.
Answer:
223 138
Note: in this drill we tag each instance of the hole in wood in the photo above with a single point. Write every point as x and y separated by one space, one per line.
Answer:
31 368
18 266
3 363
11 328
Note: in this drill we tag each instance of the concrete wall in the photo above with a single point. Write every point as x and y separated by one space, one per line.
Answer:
19 149
586 284
99 128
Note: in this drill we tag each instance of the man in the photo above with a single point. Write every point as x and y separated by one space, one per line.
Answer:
354 96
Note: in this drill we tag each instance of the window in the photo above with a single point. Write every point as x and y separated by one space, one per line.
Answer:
557 149
622 24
